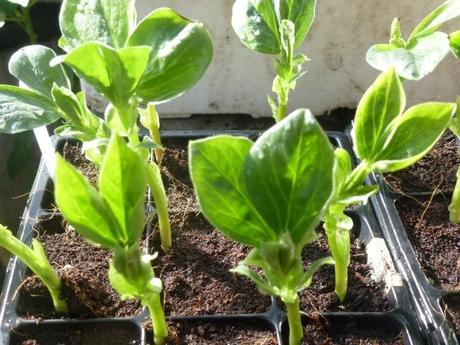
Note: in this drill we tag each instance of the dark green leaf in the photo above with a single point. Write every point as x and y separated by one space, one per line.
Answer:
411 135
105 21
83 207
381 103
181 52
114 73
454 39
289 175
256 24
22 110
123 185
31 65
216 168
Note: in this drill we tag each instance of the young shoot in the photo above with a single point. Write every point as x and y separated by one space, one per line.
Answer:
276 28
423 50
386 138
269 195
113 217
35 259
130 64
18 11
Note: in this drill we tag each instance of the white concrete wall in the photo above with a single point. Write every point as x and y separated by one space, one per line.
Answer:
239 79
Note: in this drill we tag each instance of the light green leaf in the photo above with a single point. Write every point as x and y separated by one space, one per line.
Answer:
105 21
289 175
123 185
413 62
22 110
31 65
256 24
381 103
181 52
114 73
410 136
454 39
83 207
23 3
395 36
447 11
262 284
313 268
216 168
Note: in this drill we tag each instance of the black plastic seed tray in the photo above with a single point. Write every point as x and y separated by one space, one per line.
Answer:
14 329
426 298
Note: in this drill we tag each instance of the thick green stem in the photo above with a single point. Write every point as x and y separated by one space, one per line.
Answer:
295 322
454 207
160 328
161 203
282 110
36 260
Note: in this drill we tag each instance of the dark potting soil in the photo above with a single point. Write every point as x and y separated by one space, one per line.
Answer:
195 272
83 269
363 294
322 333
437 170
451 307
74 155
435 240
193 333
88 334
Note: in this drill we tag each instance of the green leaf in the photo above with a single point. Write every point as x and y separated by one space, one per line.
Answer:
411 135
381 103
123 185
395 37
31 65
302 14
289 164
181 52
22 110
114 73
216 168
83 207
262 284
447 11
23 3
313 268
413 62
256 24
105 21
454 40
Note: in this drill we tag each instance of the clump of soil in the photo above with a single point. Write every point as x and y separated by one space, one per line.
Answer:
437 169
182 333
435 240
73 154
321 333
363 294
83 270
195 272
87 334
451 306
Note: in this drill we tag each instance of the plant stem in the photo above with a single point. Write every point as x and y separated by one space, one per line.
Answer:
295 322
357 176
36 260
161 203
26 24
454 207
160 328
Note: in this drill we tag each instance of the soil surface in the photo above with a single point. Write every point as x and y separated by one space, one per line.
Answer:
451 306
184 333
83 269
320 333
74 155
363 294
435 240
437 170
95 334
